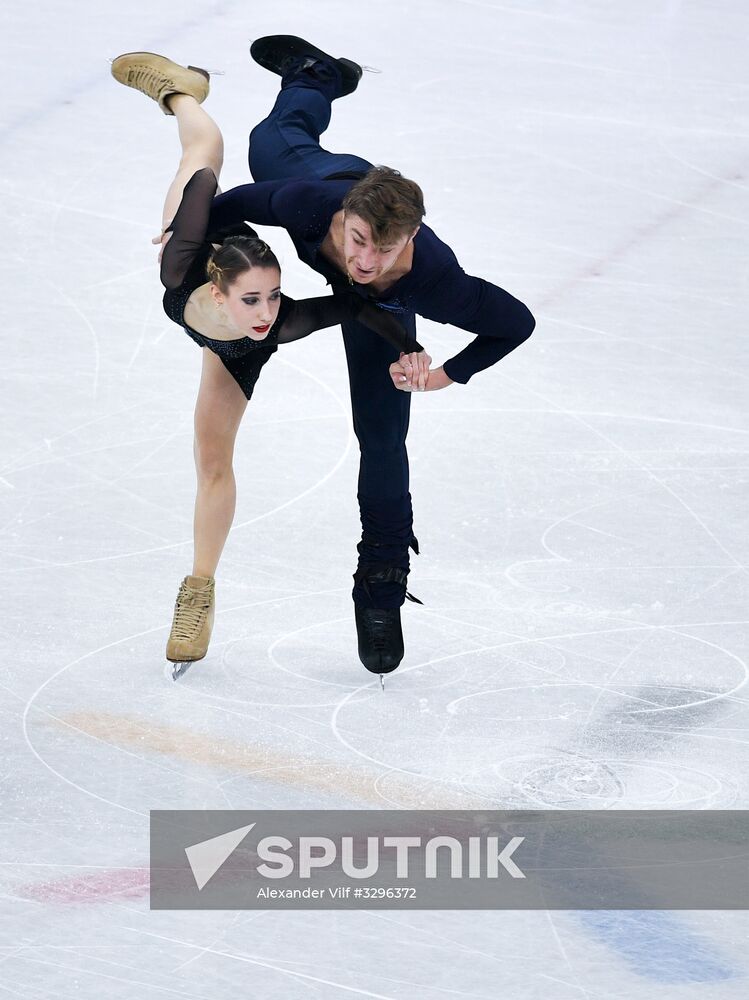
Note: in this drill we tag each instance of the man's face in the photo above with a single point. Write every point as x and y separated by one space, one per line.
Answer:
366 262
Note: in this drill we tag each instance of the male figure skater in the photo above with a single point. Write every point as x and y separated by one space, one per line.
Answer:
360 226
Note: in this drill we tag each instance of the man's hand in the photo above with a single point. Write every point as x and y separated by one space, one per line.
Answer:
411 371
435 379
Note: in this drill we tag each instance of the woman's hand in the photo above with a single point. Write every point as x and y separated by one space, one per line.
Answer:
435 379
411 371
163 239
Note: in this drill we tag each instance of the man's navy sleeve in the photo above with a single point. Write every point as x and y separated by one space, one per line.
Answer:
500 321
246 203
300 206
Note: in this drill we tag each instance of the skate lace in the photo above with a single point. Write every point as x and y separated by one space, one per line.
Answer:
190 612
378 630
148 79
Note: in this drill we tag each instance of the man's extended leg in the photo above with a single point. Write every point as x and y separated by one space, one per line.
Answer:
286 144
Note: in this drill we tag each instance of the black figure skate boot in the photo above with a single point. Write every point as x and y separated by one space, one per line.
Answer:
380 638
379 629
282 54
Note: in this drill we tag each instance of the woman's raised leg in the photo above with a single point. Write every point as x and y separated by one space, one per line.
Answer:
179 91
202 146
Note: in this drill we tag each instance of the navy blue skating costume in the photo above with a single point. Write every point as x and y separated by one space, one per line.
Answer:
296 189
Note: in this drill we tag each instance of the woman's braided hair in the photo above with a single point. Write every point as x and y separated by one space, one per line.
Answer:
236 255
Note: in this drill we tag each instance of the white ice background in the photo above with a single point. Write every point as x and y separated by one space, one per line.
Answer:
579 506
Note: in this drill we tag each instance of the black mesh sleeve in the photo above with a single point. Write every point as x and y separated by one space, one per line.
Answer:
188 227
308 315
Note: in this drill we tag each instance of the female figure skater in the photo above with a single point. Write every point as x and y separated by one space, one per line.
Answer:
223 289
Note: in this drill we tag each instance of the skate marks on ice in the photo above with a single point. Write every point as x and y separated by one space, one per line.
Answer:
669 693
638 938
560 719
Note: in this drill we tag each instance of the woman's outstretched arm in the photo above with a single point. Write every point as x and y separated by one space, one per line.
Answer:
185 237
308 315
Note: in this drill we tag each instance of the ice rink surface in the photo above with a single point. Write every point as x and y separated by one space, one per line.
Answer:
583 638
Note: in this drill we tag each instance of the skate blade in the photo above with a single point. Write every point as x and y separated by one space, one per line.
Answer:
180 668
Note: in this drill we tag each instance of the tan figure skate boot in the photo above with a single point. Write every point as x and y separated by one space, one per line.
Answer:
192 625
159 77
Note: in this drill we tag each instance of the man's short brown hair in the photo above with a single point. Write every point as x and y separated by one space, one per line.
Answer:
390 203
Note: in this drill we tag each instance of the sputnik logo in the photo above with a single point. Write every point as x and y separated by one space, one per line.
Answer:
207 857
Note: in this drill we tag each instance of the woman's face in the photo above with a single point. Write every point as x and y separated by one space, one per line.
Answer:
253 301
